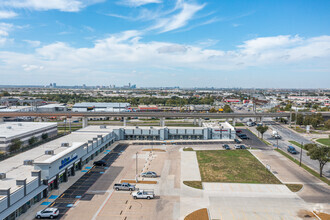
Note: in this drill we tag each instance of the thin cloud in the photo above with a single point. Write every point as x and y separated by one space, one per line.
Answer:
7 14
137 3
43 5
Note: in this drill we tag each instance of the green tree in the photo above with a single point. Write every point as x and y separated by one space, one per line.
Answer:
262 130
327 124
300 119
213 110
15 145
32 140
320 153
227 109
44 136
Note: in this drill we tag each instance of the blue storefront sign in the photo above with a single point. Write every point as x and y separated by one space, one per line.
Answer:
68 160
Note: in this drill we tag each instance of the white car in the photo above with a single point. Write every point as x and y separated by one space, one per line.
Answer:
149 174
48 213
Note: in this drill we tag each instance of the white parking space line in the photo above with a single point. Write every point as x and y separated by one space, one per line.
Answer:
103 204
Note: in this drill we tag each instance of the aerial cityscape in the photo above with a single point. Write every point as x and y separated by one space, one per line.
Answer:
156 109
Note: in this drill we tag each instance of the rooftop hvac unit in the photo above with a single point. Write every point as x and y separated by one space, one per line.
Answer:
151 127
137 127
20 124
2 176
28 162
103 126
8 127
66 144
49 152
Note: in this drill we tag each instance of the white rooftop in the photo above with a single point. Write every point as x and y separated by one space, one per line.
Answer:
12 129
52 106
14 168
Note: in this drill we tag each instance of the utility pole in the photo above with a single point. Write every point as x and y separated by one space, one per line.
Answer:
277 142
136 163
302 144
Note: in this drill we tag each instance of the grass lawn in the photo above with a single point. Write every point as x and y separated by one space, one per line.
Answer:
297 144
194 184
294 187
233 166
325 141
239 124
188 149
311 171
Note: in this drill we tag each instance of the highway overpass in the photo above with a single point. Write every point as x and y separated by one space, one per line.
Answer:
151 114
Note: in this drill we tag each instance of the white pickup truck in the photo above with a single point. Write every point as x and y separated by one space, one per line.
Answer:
276 135
143 194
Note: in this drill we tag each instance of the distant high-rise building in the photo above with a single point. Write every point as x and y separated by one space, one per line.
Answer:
129 85
51 85
54 85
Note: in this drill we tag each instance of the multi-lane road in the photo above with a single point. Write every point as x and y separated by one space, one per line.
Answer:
288 135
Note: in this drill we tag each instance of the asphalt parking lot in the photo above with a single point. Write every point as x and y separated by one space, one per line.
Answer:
78 190
254 141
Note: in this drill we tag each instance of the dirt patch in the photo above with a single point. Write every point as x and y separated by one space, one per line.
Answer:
139 182
158 150
305 214
323 216
200 214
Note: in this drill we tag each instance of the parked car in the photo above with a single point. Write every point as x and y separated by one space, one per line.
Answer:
250 124
143 194
100 163
243 136
237 141
149 174
238 147
48 213
292 150
238 131
226 146
124 186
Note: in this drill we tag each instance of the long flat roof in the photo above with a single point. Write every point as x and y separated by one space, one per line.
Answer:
14 166
11 129
101 104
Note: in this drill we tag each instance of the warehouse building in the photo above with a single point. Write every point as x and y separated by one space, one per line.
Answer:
44 168
23 131
100 107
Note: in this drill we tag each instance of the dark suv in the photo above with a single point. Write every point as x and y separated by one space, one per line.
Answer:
100 163
237 141
226 146
292 150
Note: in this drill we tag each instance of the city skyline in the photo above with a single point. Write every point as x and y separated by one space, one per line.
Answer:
156 43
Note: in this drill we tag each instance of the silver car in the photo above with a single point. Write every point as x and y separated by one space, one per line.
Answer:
149 174
48 213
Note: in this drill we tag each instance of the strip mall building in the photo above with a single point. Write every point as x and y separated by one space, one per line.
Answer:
27 178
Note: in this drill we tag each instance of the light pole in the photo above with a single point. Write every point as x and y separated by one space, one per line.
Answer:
136 163
302 144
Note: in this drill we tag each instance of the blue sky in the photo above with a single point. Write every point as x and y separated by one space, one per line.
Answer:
187 43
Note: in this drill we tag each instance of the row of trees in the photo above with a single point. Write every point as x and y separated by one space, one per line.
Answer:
173 101
17 144
226 109
315 120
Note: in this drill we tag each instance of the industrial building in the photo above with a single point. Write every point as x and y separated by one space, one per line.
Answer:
52 108
100 107
24 131
43 169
